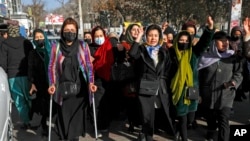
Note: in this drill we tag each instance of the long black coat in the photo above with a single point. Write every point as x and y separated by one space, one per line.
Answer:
145 69
37 75
212 79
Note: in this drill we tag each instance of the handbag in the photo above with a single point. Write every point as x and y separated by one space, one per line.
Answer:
68 89
192 93
122 71
148 87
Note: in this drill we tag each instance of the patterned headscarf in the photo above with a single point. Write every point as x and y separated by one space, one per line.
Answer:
13 31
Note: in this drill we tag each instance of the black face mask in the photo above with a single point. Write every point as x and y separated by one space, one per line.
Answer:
88 41
235 38
183 46
39 43
69 36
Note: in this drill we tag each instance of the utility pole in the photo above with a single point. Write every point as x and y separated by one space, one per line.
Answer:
80 16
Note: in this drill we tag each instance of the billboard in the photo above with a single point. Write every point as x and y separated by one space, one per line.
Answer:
3 10
235 18
54 19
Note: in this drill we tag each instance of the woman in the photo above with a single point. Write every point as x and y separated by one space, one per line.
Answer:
185 57
129 86
153 66
219 76
38 76
102 53
70 62
14 53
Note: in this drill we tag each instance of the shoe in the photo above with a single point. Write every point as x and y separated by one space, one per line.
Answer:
99 134
104 130
177 136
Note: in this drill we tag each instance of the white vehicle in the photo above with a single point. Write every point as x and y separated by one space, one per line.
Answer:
6 126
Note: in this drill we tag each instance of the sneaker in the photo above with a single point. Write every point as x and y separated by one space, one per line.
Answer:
99 134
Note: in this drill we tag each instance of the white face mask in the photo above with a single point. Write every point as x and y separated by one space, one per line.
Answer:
99 40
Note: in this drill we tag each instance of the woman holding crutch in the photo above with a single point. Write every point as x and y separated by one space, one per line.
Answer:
71 78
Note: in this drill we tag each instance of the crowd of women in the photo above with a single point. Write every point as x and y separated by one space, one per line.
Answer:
157 77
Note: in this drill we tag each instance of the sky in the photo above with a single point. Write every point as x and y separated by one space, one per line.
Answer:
49 4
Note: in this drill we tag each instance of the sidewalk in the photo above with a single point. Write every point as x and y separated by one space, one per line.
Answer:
118 130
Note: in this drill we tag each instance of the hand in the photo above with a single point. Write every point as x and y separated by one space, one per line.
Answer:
210 22
140 34
92 59
92 88
52 89
120 47
230 84
32 89
246 25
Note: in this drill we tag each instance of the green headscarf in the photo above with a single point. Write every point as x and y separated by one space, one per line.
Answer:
46 49
184 74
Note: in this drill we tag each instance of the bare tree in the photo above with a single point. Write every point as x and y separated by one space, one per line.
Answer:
37 10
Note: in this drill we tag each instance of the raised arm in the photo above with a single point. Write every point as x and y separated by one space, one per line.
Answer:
206 37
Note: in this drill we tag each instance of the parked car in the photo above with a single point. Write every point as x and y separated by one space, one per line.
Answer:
6 126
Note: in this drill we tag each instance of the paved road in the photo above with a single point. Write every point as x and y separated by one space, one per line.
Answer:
118 130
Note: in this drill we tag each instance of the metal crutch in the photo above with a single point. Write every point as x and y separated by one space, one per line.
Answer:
95 124
50 116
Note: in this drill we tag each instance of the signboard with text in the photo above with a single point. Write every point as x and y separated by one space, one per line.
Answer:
53 19
235 18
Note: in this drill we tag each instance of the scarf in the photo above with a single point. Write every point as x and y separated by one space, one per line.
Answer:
104 59
153 53
46 50
235 45
213 56
70 65
184 74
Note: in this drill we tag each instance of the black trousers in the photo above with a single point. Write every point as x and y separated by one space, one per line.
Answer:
220 119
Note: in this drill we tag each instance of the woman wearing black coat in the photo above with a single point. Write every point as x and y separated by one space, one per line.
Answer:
38 76
153 66
220 74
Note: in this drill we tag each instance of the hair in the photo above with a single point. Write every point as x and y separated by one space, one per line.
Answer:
95 29
86 33
154 27
184 33
189 24
69 21
158 28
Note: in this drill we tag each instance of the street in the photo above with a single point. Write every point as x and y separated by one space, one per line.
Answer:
118 130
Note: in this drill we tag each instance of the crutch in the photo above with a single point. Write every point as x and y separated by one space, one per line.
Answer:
50 116
94 112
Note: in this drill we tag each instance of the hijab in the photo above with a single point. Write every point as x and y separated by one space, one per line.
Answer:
213 56
43 50
184 74
104 57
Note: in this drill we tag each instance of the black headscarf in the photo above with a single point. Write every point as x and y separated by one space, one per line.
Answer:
70 65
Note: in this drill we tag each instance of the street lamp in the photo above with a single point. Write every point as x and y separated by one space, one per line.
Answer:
80 14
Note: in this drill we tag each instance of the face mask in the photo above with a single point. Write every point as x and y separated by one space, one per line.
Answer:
69 36
88 41
192 37
99 40
39 43
183 46
170 41
235 38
